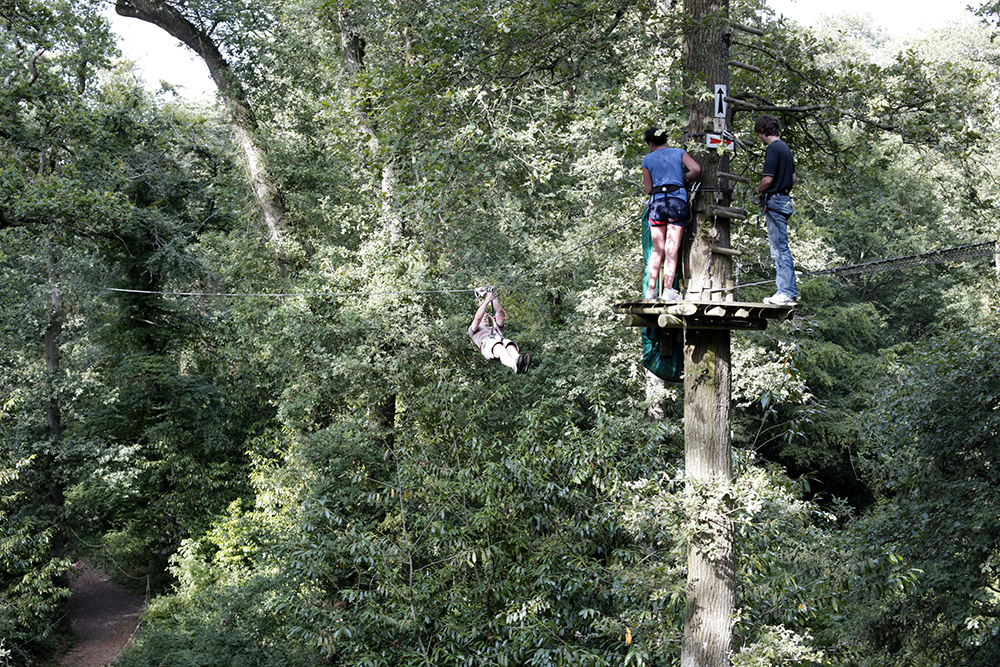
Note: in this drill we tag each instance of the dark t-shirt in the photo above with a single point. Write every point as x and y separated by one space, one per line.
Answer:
779 165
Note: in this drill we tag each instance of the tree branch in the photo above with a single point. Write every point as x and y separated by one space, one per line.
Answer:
244 123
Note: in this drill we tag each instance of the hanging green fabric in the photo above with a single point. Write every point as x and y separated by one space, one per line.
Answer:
669 369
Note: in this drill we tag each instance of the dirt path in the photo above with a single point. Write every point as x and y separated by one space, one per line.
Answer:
104 617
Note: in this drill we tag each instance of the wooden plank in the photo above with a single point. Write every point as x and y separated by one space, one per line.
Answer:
647 313
787 315
684 309
658 306
710 320
725 251
728 212
750 68
733 177
666 321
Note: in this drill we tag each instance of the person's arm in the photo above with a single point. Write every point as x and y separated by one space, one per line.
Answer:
647 181
765 183
477 319
501 313
692 166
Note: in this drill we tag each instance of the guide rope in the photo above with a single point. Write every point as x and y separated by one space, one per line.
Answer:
946 255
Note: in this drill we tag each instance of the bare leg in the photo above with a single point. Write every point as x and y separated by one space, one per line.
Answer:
658 236
507 354
673 236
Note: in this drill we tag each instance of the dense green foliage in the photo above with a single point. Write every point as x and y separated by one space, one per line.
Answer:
316 467
932 454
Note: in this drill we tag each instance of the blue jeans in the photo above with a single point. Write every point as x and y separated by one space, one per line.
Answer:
778 211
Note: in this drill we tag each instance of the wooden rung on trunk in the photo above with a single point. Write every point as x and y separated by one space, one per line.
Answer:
726 251
733 177
750 68
727 212
746 28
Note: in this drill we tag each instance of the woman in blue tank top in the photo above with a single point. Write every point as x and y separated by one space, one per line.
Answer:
664 171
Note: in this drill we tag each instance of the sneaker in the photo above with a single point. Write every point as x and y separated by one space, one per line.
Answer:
670 294
779 299
650 293
523 361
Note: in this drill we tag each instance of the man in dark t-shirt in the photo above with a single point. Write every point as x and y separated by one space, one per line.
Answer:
777 179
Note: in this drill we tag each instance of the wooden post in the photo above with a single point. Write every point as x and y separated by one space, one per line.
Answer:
711 588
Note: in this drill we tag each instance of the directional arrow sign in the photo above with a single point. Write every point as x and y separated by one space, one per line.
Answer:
717 141
721 106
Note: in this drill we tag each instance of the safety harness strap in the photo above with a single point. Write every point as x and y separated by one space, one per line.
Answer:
664 189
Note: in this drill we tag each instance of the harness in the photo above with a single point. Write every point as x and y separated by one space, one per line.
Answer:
786 192
664 189
764 196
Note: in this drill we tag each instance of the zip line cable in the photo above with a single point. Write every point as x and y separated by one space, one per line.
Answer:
945 255
283 294
958 253
335 294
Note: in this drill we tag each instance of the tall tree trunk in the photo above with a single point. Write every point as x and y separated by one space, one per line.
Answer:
352 47
711 588
243 121
711 585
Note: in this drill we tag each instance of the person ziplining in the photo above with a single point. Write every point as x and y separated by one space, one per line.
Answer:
486 332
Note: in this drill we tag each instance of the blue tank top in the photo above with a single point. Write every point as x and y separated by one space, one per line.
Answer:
666 167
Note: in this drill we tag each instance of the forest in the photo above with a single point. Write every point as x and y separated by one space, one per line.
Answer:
235 368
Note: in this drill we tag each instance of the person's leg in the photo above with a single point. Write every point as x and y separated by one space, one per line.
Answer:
674 234
658 237
504 353
779 209
521 362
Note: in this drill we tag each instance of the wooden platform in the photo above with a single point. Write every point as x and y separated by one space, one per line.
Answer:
700 314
